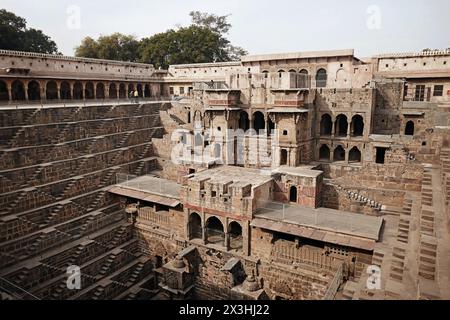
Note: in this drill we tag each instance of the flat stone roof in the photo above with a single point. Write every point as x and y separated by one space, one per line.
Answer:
237 175
298 55
324 219
150 188
288 110
305 171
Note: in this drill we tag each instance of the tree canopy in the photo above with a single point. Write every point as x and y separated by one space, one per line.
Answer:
14 35
203 41
113 47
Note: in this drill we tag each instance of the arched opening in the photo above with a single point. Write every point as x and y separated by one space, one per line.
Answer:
235 233
89 91
293 194
217 151
34 90
139 90
4 94
324 153
271 127
244 122
283 157
100 91
65 91
147 92
357 126
258 122
112 91
130 90
354 155
18 90
409 128
326 125
195 226
51 91
266 74
198 140
122 91
321 78
292 71
304 71
341 126
339 154
214 231
78 91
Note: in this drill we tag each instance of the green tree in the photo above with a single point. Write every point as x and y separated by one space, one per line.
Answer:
14 35
116 46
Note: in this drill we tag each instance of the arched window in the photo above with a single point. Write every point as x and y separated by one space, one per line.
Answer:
258 122
324 153
51 90
89 90
266 74
326 125
354 155
293 196
339 154
215 231
244 122
18 90
235 232
65 93
78 91
409 128
283 157
112 91
34 90
122 91
321 78
357 126
4 94
341 126
195 226
100 91
304 71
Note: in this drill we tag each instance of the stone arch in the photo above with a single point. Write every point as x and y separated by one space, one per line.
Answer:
77 91
64 91
354 155
112 90
324 153
89 90
195 226
293 194
326 125
341 126
292 71
259 123
409 128
34 90
198 116
321 78
51 91
357 126
4 94
235 233
265 73
244 122
18 90
304 71
100 91
215 231
140 90
130 90
122 91
339 154
283 157
147 91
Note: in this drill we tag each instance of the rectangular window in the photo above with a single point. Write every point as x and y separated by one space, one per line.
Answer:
181 90
381 153
420 93
438 91
171 90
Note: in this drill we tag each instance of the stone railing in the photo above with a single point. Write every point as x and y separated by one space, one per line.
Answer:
335 284
148 214
285 252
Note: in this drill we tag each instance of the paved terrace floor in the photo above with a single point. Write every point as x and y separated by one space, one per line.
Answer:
324 219
152 185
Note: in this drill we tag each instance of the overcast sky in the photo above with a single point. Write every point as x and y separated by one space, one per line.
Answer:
259 26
